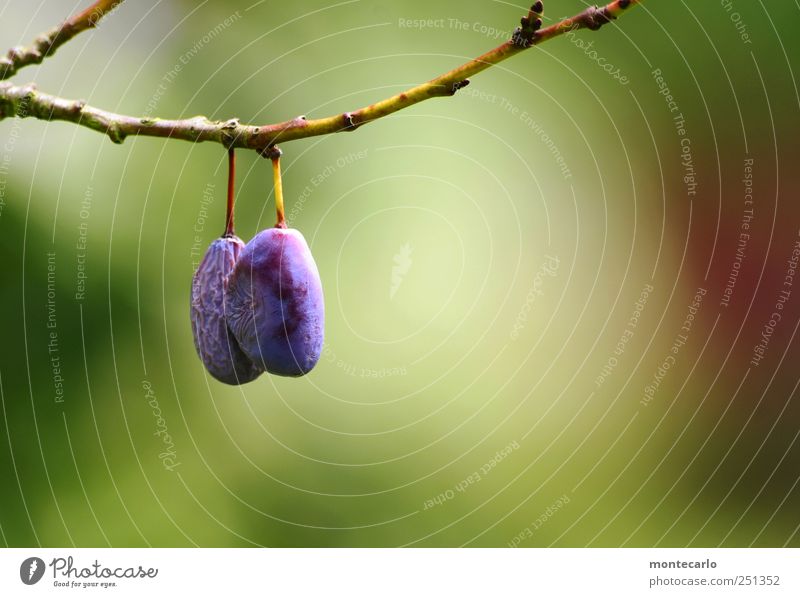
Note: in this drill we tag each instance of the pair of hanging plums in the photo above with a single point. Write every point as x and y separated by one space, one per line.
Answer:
258 306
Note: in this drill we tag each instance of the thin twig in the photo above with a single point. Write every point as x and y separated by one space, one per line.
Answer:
26 101
47 43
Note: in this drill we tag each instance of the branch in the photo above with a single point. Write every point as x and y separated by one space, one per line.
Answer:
47 43
26 101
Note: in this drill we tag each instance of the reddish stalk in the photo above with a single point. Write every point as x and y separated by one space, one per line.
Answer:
231 183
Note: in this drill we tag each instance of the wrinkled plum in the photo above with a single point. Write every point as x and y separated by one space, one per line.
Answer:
216 345
274 303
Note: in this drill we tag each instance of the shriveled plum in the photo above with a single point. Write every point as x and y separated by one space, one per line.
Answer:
215 344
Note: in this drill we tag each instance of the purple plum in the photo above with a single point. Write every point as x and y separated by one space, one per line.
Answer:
274 303
216 345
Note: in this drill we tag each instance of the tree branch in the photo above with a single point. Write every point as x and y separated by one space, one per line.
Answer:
47 43
26 101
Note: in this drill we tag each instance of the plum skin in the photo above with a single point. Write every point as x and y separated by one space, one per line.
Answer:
274 303
216 345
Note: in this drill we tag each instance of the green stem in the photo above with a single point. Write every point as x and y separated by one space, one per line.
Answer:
26 101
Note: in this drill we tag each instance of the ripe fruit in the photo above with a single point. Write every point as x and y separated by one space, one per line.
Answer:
216 346
274 303
274 299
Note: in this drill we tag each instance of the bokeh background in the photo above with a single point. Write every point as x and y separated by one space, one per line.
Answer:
543 318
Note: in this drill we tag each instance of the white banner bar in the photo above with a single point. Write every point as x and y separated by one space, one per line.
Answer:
409 572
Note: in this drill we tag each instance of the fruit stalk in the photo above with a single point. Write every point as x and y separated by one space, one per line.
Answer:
276 176
229 229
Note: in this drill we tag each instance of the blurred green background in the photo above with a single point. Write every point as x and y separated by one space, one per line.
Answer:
505 271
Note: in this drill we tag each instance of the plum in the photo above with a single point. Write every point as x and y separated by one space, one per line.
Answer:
215 344
274 303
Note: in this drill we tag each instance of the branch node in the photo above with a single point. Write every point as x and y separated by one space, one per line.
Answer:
593 18
350 123
229 132
271 152
115 134
525 34
28 94
43 42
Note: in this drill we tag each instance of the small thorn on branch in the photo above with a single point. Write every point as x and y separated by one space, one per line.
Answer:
459 85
